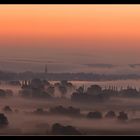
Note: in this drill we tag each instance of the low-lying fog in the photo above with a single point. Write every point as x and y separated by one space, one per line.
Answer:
21 123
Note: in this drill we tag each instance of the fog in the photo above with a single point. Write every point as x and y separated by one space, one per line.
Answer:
23 122
67 60
58 66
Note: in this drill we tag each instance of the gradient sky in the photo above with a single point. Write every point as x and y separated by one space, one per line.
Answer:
71 33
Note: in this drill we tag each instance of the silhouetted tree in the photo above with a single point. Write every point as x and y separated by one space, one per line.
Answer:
7 109
65 111
37 84
51 90
110 114
58 129
3 120
64 86
57 109
94 115
45 82
67 84
94 90
129 92
36 89
64 82
93 93
57 84
80 90
63 90
122 116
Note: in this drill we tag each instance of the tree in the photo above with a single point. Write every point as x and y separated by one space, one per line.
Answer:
110 114
58 129
122 116
7 109
80 90
36 84
63 90
51 90
94 90
3 120
94 115
71 111
45 82
64 82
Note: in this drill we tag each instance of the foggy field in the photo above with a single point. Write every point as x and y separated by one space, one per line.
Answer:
22 124
22 120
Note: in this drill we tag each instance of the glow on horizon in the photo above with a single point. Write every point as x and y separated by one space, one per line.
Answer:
95 29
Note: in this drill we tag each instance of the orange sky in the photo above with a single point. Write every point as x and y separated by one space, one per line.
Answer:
70 21
108 30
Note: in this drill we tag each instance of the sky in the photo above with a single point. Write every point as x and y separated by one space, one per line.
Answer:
69 36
